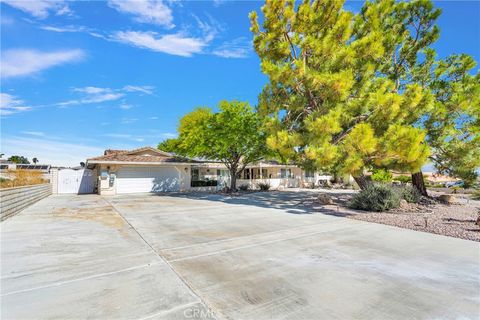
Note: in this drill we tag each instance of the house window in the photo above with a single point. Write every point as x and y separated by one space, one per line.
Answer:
195 175
246 174
285 173
264 173
309 174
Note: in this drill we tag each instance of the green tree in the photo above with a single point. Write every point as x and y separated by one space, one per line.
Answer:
453 126
19 159
336 96
169 145
232 135
35 160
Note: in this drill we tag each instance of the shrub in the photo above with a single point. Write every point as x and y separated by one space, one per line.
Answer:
264 186
382 175
244 187
403 179
376 197
409 193
18 178
476 195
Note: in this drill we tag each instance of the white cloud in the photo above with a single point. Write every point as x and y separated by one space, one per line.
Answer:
146 11
10 104
126 106
65 29
118 135
237 48
175 44
40 8
144 89
217 3
128 120
152 118
169 135
93 95
49 151
92 90
34 133
24 62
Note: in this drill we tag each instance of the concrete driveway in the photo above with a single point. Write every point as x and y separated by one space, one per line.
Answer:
261 256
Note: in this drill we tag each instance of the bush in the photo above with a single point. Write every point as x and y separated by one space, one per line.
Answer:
244 187
204 183
382 175
403 179
409 193
476 195
377 197
21 177
264 186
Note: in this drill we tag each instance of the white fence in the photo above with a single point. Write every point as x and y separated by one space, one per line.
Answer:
72 181
14 200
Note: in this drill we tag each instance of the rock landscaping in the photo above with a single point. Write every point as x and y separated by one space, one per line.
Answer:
455 216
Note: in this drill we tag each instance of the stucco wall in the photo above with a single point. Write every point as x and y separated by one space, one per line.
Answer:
14 200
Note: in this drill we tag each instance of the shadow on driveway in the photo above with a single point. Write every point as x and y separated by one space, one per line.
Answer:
293 202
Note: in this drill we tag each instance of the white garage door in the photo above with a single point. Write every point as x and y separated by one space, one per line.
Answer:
147 179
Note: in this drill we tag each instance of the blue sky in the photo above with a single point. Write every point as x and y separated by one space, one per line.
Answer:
80 77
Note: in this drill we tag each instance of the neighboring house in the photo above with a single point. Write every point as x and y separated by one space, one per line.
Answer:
152 170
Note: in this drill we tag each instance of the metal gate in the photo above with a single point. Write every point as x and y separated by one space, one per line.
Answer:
76 181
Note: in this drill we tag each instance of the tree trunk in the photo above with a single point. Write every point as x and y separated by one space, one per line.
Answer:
362 181
419 183
233 180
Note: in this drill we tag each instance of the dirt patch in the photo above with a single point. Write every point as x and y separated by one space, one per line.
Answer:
104 215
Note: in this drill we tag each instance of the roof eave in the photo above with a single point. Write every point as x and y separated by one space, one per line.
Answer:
138 162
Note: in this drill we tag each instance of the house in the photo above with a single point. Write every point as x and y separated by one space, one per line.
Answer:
152 170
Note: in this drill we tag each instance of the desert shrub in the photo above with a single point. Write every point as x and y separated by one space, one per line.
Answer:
244 187
409 193
264 186
376 197
403 179
382 175
476 195
18 178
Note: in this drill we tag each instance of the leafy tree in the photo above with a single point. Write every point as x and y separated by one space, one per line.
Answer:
232 135
453 126
338 96
19 159
169 145
35 160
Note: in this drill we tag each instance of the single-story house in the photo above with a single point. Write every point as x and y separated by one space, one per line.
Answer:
152 170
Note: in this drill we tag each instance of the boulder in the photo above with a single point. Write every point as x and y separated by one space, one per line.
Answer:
404 204
447 198
324 198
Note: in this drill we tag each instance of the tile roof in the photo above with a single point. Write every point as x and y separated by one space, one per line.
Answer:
154 155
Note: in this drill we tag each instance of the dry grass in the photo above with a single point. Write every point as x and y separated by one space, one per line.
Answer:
18 178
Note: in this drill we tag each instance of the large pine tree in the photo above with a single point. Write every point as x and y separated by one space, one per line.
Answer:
344 91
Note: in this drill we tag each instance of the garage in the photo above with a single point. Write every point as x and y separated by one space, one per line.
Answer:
147 179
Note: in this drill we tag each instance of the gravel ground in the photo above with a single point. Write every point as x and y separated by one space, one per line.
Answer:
455 220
